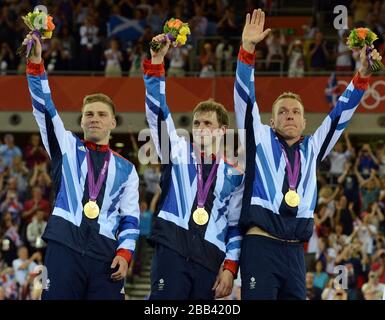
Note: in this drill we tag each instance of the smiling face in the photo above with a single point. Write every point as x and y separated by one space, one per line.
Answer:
97 122
288 119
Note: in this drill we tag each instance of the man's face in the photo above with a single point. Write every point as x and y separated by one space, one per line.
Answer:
97 122
206 129
288 119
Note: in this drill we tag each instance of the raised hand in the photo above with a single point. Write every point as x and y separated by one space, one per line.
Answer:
365 67
158 57
253 30
36 52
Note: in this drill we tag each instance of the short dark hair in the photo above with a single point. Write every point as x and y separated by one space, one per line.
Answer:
213 106
99 97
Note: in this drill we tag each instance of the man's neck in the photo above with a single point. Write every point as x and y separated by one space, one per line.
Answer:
98 142
292 141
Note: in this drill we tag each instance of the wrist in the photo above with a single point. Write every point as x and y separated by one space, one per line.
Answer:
248 46
364 73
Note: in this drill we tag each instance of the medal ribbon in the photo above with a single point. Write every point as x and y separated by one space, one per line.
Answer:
203 191
94 189
292 174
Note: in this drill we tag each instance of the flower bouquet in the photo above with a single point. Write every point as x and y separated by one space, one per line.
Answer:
176 31
41 25
360 37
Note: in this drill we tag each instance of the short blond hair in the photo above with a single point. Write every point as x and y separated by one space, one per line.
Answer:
99 97
213 106
290 95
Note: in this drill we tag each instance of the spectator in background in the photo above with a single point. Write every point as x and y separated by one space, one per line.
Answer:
380 156
20 172
275 57
7 59
345 216
156 18
320 277
343 53
9 237
223 56
379 264
89 41
366 161
227 26
35 231
318 53
338 158
349 181
136 56
68 48
296 59
10 201
34 153
2 293
312 292
151 177
36 203
361 9
40 178
23 267
198 23
53 56
373 289
370 189
113 58
178 57
8 150
207 61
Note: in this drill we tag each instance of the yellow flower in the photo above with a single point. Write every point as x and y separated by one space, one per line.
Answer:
47 35
185 30
181 39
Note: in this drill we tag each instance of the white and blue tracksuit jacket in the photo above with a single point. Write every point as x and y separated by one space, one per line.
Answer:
220 238
116 228
266 178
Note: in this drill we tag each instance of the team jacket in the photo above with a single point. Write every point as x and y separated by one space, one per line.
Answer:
220 238
115 230
266 179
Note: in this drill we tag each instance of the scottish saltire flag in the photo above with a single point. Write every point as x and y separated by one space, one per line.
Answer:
332 93
125 29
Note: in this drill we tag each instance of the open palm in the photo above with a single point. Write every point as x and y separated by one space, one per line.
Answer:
253 31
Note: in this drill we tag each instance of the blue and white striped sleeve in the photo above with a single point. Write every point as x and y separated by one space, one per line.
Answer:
326 136
233 236
44 110
245 105
158 115
130 213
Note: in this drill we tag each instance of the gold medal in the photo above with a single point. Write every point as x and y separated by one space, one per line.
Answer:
292 198
200 216
91 209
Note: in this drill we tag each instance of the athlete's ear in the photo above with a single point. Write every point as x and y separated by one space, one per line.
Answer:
272 123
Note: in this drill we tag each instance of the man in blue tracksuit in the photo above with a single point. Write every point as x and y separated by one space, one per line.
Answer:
280 184
196 227
94 224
